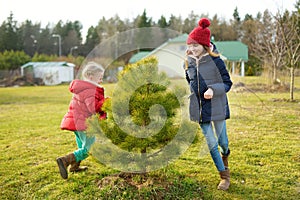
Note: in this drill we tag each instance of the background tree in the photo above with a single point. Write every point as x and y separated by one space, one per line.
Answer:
92 40
162 22
45 42
10 37
70 35
190 22
260 36
144 21
221 31
175 23
271 45
236 24
289 31
144 37
12 60
30 32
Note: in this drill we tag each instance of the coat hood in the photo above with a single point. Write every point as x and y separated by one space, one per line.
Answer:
78 86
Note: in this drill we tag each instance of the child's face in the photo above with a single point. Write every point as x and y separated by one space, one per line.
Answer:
97 78
196 49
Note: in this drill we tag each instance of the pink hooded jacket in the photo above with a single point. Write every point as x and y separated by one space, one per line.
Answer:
87 100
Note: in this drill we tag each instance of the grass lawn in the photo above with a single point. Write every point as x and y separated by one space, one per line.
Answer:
264 136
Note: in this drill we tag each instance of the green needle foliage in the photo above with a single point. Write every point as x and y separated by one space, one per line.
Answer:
144 128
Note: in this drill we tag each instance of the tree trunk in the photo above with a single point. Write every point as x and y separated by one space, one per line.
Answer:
274 75
292 83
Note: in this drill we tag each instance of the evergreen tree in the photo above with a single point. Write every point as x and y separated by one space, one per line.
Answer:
144 129
236 24
92 40
175 23
144 35
190 22
162 22
10 36
144 21
30 33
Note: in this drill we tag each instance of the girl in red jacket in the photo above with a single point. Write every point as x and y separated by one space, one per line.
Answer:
88 97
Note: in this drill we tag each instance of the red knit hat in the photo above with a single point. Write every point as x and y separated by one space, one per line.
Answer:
200 34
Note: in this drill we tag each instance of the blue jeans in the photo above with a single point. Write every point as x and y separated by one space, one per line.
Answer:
84 144
214 139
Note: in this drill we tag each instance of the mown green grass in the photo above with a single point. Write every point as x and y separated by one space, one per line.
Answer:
264 136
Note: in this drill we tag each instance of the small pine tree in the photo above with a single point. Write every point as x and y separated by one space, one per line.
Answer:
144 129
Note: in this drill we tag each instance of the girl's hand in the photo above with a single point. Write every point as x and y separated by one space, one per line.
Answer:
209 94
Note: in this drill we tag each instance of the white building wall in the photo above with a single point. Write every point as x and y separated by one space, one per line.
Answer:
54 75
171 59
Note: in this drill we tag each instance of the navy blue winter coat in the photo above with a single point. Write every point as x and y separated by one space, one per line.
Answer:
210 72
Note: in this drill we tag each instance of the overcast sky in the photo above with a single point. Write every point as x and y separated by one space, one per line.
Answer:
89 12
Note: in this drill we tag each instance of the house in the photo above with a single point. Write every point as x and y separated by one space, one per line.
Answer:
171 55
51 73
236 53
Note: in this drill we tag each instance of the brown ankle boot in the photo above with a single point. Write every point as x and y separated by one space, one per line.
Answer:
225 180
63 163
225 159
75 167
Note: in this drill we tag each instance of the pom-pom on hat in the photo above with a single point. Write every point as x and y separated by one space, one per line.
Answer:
200 34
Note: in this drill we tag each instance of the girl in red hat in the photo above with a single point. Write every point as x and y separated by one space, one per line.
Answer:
209 81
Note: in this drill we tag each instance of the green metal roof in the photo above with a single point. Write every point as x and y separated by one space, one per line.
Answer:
232 50
47 64
138 56
180 38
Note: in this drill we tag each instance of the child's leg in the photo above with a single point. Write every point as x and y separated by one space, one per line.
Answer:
212 143
86 143
221 132
78 140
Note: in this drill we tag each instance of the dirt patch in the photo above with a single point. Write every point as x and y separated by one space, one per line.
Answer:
20 81
153 186
284 100
125 180
260 87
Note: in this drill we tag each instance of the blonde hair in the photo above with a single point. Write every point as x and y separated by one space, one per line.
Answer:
210 52
91 69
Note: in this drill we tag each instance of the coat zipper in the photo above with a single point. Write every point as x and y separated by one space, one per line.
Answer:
198 81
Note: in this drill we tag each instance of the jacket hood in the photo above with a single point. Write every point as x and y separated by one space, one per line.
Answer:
78 86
